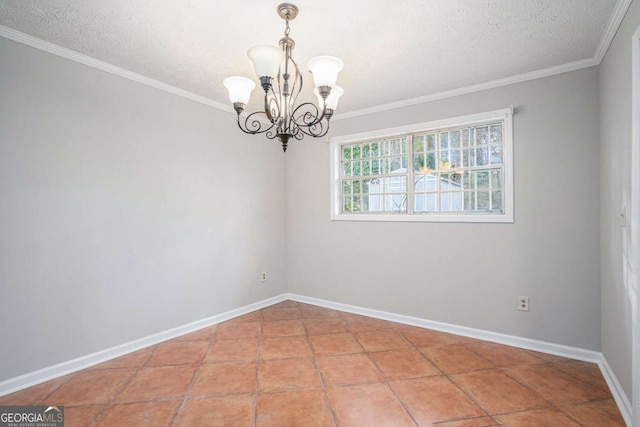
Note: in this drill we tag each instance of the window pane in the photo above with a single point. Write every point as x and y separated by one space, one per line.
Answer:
396 203
366 167
371 186
482 156
346 152
482 179
375 150
468 158
496 181
465 138
454 139
482 136
346 204
346 187
355 168
496 200
483 201
346 169
425 202
470 201
496 134
395 164
454 159
366 150
444 141
418 144
496 155
431 142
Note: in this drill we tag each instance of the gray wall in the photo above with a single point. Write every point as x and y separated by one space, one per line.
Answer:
615 189
471 274
124 211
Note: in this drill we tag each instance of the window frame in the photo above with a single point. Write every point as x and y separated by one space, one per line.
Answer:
504 115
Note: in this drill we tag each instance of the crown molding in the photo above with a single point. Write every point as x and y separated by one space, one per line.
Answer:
63 52
532 75
615 20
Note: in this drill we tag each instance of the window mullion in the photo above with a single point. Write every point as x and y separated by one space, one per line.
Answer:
410 176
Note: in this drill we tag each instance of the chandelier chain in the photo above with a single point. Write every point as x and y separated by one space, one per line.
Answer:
287 30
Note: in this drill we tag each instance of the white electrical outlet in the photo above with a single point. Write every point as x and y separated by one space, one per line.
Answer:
263 277
523 303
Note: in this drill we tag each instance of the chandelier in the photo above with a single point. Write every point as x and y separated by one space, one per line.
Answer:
281 80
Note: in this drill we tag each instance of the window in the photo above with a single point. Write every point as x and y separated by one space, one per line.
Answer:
455 170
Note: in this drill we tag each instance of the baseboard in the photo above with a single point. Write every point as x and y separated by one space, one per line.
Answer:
526 343
33 378
514 341
616 390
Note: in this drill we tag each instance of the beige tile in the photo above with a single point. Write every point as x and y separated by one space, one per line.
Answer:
589 372
204 334
325 326
470 422
435 399
243 349
293 408
254 316
91 387
555 385
131 360
456 358
225 378
496 392
362 323
403 364
225 411
604 413
332 344
347 369
237 330
158 383
178 353
156 414
284 347
318 313
421 337
368 405
537 418
288 374
81 416
280 314
35 394
381 340
283 328
505 356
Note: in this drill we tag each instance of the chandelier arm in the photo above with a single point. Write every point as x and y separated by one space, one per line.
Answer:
271 113
295 91
252 125
316 131
308 119
308 123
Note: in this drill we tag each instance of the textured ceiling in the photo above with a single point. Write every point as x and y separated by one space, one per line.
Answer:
392 51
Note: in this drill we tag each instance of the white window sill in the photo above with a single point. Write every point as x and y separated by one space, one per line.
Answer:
434 217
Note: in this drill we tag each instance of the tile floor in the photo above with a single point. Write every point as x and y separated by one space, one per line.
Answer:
294 364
